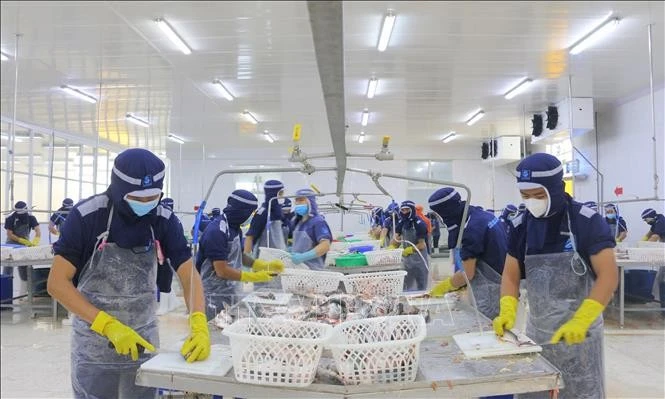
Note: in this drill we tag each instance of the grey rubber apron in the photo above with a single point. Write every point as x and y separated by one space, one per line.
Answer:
121 282
303 243
556 286
219 291
614 228
275 240
416 269
486 285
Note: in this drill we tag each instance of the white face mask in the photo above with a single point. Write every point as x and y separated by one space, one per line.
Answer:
537 207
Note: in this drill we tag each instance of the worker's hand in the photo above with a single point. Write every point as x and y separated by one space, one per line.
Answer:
273 266
124 339
393 246
575 330
408 251
197 345
35 241
24 241
301 257
443 288
507 314
255 277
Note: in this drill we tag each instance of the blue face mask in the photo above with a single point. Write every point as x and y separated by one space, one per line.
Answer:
301 209
142 208
611 216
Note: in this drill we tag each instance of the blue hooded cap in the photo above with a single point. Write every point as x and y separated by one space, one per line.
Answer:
271 188
286 206
21 207
311 197
240 206
168 203
521 207
412 216
215 212
68 203
393 207
592 205
136 171
649 213
510 209
449 205
542 170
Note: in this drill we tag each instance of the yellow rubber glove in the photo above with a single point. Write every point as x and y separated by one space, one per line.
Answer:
507 314
24 241
197 345
35 241
123 338
575 330
273 266
255 277
408 251
393 246
443 288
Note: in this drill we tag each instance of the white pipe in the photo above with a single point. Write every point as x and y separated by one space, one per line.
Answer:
653 116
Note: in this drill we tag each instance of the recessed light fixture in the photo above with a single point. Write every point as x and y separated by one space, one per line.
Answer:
78 94
475 117
173 36
521 86
371 87
449 137
137 121
386 31
225 93
268 137
365 117
3 56
251 118
361 138
175 139
605 27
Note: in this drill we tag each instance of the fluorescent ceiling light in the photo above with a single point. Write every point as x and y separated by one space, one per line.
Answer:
361 139
476 117
173 36
3 56
386 31
608 25
175 139
365 117
136 121
78 94
449 137
371 87
521 86
268 137
251 118
225 93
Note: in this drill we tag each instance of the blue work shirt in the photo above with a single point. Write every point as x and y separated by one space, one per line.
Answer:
216 241
13 221
258 223
59 216
316 228
484 238
659 227
592 234
421 227
88 219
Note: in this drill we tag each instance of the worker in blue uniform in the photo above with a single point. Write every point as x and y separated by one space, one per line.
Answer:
617 224
220 258
18 226
59 216
483 250
311 233
564 251
411 235
105 272
390 218
593 205
287 221
436 230
167 203
265 230
656 220
507 215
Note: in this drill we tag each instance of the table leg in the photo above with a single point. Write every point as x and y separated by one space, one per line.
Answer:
622 294
30 284
54 309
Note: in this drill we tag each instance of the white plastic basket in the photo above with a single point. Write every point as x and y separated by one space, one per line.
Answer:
331 256
310 281
647 255
384 257
287 356
378 350
341 246
33 253
375 284
278 254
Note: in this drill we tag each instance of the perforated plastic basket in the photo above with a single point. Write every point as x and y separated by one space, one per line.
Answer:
276 352
32 253
277 254
375 284
310 281
384 257
654 256
378 350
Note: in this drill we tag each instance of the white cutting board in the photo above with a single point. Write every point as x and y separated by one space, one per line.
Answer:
417 300
476 345
281 299
217 364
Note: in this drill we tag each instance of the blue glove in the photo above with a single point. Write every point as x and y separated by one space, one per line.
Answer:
299 258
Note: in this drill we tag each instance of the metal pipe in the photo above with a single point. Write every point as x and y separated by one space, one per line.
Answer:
635 200
653 116
12 132
31 167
